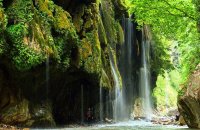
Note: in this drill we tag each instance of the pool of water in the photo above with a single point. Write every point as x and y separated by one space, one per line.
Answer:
128 125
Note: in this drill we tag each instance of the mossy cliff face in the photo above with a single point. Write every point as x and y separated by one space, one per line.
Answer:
49 50
189 100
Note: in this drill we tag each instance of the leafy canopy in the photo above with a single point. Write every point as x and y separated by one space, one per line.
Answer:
173 20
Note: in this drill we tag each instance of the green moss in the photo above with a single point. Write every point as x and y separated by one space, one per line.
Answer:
20 11
37 34
3 19
77 19
47 7
122 4
113 56
109 22
92 64
105 80
120 8
22 55
86 48
120 34
2 42
15 113
3 23
63 53
46 34
26 35
62 20
102 35
66 38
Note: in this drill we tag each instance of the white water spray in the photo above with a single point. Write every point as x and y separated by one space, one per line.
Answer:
82 111
101 104
145 80
119 106
47 76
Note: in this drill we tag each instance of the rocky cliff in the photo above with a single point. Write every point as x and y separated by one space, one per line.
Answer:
49 50
189 100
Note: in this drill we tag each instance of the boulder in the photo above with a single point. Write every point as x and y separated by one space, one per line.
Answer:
138 111
15 113
181 121
189 100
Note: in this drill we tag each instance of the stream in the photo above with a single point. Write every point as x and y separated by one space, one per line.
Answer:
128 125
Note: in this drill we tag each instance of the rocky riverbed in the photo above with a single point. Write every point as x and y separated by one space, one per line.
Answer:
9 127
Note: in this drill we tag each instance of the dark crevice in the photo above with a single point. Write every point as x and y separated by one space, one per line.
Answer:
11 22
7 3
54 33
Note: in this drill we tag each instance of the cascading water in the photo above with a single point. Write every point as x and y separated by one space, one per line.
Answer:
129 50
47 76
118 104
126 65
101 104
145 79
82 101
166 90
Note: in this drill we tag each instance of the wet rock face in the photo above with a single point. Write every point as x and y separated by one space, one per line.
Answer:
49 50
189 100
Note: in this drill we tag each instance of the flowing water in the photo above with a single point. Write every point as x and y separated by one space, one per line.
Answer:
47 76
125 66
128 125
118 105
82 103
101 104
166 90
145 80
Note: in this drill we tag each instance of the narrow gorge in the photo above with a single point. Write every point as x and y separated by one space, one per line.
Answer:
68 62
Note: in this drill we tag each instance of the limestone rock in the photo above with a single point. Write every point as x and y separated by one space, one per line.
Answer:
55 48
41 115
16 113
138 111
181 121
189 100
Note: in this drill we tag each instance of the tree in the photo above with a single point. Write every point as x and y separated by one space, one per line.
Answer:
176 21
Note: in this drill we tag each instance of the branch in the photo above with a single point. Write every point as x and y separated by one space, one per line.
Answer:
185 14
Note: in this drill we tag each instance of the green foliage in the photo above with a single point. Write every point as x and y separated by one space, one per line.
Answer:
175 79
3 24
109 23
102 34
23 57
2 45
173 21
165 16
120 34
166 90
190 50
160 59
63 52
21 11
66 37
93 62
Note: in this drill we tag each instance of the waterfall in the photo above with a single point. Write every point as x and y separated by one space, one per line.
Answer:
167 80
82 107
145 79
101 104
109 107
126 65
118 104
47 76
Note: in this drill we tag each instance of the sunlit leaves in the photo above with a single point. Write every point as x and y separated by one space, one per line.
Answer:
166 16
174 20
166 90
